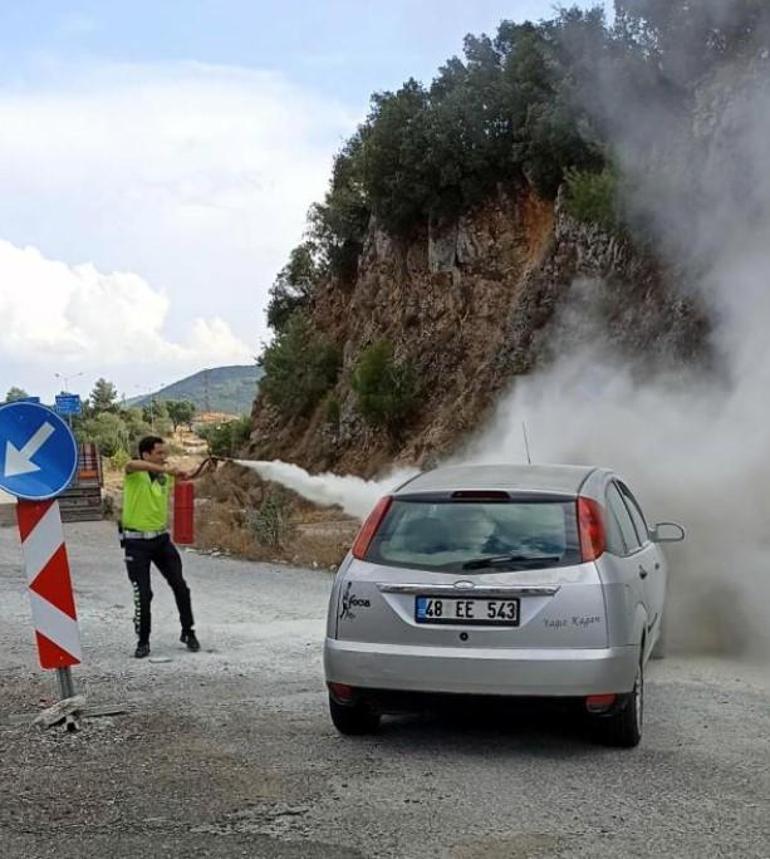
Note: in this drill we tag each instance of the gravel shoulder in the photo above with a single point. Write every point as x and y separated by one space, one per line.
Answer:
230 752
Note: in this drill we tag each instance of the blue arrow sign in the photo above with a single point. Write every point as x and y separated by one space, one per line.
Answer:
38 453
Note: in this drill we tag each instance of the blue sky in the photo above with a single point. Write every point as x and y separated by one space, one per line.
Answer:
157 160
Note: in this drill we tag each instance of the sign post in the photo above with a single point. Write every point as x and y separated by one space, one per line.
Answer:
38 459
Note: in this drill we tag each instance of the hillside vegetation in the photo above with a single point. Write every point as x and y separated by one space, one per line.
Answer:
220 389
458 215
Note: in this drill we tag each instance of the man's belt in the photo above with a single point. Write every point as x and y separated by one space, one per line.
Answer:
144 535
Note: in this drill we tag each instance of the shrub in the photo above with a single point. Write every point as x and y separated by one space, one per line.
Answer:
332 411
386 390
300 367
593 197
271 523
119 459
228 438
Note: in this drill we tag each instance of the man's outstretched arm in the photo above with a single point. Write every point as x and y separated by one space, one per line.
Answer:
143 465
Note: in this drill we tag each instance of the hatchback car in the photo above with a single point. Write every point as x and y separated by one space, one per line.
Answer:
523 581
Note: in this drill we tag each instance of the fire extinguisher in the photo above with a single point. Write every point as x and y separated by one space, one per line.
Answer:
184 512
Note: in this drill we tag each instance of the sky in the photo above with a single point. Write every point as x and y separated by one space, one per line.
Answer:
157 161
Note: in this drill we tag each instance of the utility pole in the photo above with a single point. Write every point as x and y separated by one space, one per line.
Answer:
66 379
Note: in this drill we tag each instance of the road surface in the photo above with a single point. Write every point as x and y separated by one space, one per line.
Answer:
230 752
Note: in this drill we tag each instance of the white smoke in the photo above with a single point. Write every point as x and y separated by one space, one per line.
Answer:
696 445
355 495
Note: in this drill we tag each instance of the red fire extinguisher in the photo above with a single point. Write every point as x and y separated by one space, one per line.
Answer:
184 512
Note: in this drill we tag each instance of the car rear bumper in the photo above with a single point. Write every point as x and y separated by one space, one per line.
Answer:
482 671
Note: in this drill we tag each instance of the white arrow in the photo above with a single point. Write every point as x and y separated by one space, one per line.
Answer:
20 461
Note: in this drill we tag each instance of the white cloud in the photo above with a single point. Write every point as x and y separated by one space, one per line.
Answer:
58 316
197 178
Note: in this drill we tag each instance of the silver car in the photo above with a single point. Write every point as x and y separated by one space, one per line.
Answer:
530 581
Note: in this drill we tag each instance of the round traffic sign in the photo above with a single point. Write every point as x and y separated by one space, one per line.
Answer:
38 453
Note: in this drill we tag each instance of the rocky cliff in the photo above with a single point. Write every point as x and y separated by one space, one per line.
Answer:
472 304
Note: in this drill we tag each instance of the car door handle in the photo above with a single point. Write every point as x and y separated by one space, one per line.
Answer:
642 572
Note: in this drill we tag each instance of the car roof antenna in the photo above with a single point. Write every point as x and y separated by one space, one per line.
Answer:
526 442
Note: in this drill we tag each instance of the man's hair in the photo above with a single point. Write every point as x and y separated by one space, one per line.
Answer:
147 444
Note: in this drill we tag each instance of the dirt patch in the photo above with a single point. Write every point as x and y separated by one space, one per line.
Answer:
238 513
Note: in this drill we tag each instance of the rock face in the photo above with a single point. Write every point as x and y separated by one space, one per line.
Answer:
472 304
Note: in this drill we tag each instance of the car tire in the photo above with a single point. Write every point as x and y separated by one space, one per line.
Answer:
354 719
623 729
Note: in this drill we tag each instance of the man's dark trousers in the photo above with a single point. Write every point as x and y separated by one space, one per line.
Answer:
163 553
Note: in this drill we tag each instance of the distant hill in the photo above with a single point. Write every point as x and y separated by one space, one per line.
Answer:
220 389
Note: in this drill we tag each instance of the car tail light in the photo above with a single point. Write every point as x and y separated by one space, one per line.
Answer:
593 540
600 703
341 692
370 526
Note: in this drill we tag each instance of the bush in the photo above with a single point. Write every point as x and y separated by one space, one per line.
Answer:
332 411
119 459
300 367
386 390
271 523
593 198
228 438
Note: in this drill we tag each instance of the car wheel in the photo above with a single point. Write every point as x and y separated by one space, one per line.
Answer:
623 729
351 719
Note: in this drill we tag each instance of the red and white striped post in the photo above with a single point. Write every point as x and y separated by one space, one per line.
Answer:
50 589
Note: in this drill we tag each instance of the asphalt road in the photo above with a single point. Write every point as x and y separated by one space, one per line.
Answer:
230 752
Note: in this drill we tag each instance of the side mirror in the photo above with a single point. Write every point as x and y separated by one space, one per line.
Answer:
667 532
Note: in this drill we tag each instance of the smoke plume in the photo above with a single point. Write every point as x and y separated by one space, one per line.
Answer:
695 445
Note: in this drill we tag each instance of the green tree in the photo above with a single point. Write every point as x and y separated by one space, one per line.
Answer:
337 226
227 438
181 412
386 390
155 413
300 366
685 38
103 397
107 430
15 394
293 286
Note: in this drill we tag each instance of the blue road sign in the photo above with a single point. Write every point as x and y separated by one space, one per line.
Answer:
68 404
28 400
38 453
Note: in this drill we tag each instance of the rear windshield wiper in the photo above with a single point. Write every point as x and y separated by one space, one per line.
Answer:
501 560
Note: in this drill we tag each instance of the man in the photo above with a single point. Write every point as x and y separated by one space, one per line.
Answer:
144 530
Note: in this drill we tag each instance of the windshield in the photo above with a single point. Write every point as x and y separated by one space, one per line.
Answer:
456 536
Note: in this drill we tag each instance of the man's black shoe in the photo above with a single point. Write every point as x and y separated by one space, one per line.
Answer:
191 641
142 650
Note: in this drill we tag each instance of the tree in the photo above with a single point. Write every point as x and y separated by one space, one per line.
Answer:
15 394
228 438
180 412
386 389
293 286
103 397
300 367
156 414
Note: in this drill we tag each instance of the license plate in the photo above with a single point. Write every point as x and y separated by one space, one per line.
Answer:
476 612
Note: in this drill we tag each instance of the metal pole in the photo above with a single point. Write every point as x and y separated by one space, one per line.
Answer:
66 686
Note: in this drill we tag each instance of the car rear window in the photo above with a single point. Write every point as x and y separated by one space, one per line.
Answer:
447 535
